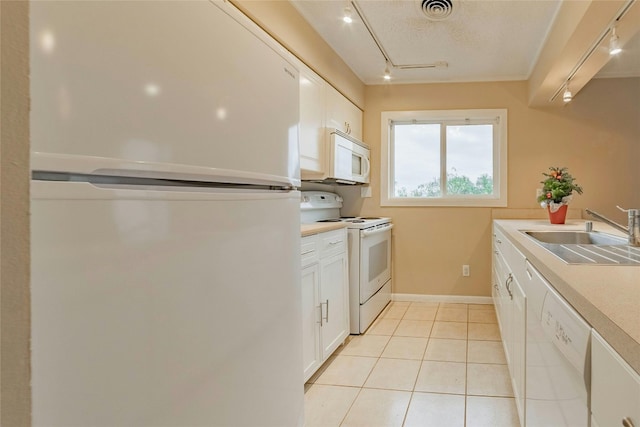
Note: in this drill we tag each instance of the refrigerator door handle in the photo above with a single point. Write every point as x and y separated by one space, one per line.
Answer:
107 166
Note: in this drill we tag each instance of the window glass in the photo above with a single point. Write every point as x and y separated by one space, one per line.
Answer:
470 159
416 159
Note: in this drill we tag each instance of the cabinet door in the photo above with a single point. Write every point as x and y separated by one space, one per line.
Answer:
615 387
342 114
334 302
517 344
311 355
501 300
312 130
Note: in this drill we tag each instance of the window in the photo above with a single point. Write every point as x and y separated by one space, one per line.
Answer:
444 158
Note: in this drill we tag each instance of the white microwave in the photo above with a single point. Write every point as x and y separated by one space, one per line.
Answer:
349 159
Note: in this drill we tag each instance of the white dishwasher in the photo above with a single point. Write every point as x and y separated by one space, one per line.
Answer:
558 342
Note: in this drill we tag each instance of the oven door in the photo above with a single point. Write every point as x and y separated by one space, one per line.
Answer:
375 260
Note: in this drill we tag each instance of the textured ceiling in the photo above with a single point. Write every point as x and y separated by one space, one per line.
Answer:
482 40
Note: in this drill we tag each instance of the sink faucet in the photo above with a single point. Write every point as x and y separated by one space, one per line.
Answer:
633 229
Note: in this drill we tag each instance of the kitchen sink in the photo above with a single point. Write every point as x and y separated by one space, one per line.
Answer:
576 237
587 247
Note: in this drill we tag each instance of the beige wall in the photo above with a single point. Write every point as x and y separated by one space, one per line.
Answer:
15 396
596 136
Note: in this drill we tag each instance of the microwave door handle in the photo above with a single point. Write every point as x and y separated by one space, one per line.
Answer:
367 233
367 164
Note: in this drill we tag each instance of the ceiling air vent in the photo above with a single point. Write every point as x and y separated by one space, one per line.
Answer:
437 10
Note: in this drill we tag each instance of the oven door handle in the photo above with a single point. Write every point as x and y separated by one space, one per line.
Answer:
367 233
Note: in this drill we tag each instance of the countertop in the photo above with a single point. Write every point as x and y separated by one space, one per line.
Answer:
320 227
607 297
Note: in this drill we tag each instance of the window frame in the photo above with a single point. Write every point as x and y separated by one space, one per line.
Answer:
451 117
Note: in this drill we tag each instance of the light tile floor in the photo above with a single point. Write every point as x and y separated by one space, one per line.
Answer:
419 364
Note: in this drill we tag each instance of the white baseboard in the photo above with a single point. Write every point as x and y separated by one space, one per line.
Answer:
442 298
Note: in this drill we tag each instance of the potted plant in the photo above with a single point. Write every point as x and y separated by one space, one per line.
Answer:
557 192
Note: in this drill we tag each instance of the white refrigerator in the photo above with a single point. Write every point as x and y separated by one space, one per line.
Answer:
165 218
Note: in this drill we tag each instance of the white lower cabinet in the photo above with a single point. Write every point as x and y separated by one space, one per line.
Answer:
325 297
311 355
615 387
334 313
510 302
517 346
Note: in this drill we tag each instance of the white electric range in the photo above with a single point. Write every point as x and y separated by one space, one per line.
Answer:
369 241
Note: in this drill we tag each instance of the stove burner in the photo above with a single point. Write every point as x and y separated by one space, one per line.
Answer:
347 217
330 220
355 221
370 217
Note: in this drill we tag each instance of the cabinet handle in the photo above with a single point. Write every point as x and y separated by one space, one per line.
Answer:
320 307
626 422
335 242
508 282
326 319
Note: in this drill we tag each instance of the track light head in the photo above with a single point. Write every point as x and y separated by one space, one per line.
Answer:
567 96
387 72
347 14
614 43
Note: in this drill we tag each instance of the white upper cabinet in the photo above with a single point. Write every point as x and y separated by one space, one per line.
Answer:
312 121
342 114
322 107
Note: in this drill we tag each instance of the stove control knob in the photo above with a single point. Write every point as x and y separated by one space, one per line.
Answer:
339 199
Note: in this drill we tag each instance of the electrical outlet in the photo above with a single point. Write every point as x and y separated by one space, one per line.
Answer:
465 271
538 192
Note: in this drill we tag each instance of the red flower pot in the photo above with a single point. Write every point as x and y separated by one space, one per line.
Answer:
558 216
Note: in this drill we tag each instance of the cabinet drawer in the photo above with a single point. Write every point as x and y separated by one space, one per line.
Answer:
615 387
500 242
511 255
309 250
333 243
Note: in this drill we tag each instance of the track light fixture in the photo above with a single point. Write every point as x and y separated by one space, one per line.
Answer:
614 43
347 14
567 96
614 49
387 72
